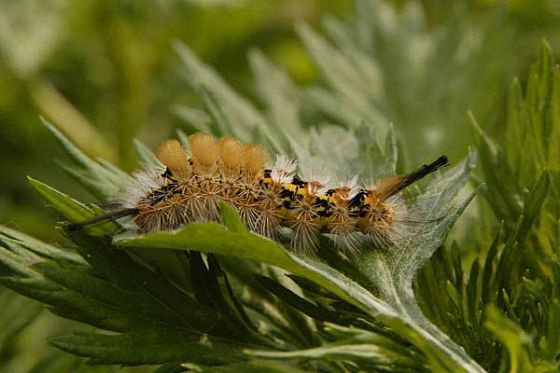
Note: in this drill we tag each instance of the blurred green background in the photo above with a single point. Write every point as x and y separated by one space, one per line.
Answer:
106 73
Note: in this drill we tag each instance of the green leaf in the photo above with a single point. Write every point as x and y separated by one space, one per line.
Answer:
36 247
196 118
71 209
218 239
117 294
254 366
315 311
344 77
247 245
372 351
282 100
370 354
146 156
147 348
102 180
240 115
59 361
517 343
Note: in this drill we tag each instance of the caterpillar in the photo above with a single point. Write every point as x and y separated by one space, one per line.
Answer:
272 201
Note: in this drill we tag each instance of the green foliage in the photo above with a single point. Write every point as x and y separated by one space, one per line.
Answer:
216 297
507 302
212 326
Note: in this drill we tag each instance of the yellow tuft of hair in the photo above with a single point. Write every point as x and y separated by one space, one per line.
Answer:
205 150
231 152
255 158
173 156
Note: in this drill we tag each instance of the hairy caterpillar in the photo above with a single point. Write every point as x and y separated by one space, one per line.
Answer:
273 202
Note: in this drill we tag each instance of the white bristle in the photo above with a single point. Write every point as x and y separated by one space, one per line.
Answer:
283 170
